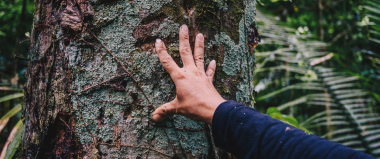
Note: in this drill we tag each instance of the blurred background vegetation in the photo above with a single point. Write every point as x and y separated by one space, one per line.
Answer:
318 62
16 18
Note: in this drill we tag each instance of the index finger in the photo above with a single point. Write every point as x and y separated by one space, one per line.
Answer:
166 60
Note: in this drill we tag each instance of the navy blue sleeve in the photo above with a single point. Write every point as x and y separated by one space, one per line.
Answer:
247 133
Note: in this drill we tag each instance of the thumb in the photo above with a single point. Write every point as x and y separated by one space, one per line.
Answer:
164 111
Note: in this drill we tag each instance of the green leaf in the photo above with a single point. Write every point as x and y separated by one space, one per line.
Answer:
374 4
373 17
13 141
10 89
300 70
276 114
305 86
375 40
304 129
293 102
375 32
377 96
375 10
272 110
290 120
4 120
10 97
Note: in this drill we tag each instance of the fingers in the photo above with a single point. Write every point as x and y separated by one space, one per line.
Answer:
199 52
165 58
211 71
164 111
184 47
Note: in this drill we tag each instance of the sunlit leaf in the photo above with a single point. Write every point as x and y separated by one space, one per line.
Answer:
10 97
15 134
375 40
4 120
306 86
293 103
10 89
370 8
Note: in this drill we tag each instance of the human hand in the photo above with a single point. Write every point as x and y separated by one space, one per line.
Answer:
196 98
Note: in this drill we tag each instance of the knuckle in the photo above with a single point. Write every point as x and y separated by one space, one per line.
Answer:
180 75
184 37
160 49
185 50
166 61
210 72
201 45
199 58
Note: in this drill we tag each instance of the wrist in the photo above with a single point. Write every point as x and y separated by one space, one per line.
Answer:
212 107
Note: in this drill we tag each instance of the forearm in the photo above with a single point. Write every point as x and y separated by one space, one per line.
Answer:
249 134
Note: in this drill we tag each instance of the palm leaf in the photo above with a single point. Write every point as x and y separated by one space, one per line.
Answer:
10 89
344 108
12 142
10 97
4 120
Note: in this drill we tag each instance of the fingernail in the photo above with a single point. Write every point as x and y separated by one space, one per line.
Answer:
200 37
158 40
155 117
184 27
213 63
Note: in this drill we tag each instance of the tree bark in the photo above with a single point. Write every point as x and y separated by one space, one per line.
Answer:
94 78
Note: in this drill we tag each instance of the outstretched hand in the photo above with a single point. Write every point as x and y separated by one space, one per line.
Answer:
196 98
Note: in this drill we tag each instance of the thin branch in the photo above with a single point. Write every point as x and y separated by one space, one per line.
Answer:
118 61
170 141
100 83
76 97
340 35
120 103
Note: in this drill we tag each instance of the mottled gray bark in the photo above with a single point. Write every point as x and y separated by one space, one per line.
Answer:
94 78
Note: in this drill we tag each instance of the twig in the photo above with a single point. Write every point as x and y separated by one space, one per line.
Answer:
120 103
170 141
100 83
64 122
125 69
340 35
76 97
21 58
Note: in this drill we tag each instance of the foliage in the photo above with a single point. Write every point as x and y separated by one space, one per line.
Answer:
16 17
347 27
10 146
298 75
276 114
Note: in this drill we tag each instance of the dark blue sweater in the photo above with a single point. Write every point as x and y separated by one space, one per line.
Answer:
247 133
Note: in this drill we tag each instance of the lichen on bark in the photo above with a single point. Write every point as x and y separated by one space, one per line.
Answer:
98 78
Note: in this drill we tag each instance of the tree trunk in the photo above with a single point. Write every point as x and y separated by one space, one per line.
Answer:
94 77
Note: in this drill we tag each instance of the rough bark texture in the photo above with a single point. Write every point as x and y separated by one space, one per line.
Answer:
94 77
